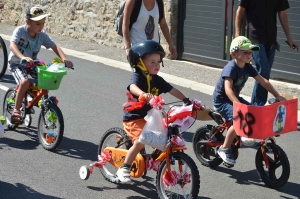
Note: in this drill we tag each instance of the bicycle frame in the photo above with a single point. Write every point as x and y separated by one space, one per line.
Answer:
167 155
37 97
226 125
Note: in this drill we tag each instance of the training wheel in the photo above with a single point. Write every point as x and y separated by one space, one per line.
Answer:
84 172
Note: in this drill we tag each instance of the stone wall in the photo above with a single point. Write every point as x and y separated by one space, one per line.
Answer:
88 20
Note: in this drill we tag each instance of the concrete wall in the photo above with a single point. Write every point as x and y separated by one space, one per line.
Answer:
88 20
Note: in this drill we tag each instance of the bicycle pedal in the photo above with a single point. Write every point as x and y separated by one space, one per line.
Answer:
16 123
216 151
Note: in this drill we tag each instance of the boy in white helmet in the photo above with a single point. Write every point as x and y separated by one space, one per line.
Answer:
233 78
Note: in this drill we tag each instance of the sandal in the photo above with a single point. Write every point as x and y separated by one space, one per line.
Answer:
16 118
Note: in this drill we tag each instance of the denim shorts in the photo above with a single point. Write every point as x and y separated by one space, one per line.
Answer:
225 108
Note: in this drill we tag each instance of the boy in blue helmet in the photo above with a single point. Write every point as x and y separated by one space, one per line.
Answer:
145 57
233 78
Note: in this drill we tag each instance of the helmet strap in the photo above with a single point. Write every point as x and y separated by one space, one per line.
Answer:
144 69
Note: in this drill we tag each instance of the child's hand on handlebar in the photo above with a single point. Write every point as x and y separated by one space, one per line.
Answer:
280 98
27 59
68 63
187 101
148 96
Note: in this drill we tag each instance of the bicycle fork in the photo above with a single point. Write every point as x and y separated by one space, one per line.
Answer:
264 152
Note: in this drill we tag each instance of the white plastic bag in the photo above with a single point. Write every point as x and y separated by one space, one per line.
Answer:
55 67
154 133
185 123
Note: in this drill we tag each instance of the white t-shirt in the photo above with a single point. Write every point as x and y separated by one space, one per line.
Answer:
146 25
27 45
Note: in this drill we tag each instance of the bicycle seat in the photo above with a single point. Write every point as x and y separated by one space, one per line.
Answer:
217 117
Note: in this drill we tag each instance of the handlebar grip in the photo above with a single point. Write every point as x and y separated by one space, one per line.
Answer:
23 61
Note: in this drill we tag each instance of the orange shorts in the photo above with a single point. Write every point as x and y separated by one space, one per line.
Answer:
134 128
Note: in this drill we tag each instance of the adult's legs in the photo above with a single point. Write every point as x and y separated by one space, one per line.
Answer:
264 59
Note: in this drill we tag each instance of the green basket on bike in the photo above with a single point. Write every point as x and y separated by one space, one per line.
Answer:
50 80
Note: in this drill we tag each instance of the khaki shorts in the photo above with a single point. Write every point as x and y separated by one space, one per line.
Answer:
134 128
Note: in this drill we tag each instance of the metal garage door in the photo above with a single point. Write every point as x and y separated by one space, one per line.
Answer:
203 31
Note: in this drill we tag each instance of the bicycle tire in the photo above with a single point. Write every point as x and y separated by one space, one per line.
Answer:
207 155
190 167
268 176
108 171
7 109
58 135
3 57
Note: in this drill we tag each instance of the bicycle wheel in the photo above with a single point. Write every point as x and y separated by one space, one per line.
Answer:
204 153
8 107
279 172
3 57
186 187
50 127
112 138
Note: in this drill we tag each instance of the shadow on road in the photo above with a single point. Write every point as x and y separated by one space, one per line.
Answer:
68 147
31 144
251 177
8 78
146 187
188 136
18 190
77 149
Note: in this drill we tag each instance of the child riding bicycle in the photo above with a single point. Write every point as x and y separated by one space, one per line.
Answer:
25 44
233 78
145 57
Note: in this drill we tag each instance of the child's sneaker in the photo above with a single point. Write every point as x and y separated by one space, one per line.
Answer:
226 155
123 174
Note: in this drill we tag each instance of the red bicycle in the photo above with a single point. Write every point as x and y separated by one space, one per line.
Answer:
271 161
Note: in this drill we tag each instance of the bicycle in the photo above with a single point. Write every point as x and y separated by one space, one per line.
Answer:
208 138
50 122
3 57
176 171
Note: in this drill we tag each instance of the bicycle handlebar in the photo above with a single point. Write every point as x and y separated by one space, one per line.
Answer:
35 63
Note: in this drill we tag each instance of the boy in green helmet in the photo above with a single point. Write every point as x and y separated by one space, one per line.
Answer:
233 78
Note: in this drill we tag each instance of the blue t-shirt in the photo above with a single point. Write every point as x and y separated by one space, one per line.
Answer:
239 77
157 86
27 45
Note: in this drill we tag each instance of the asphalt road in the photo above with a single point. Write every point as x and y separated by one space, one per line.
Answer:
90 99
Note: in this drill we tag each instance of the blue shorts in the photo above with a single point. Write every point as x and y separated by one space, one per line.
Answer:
225 108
